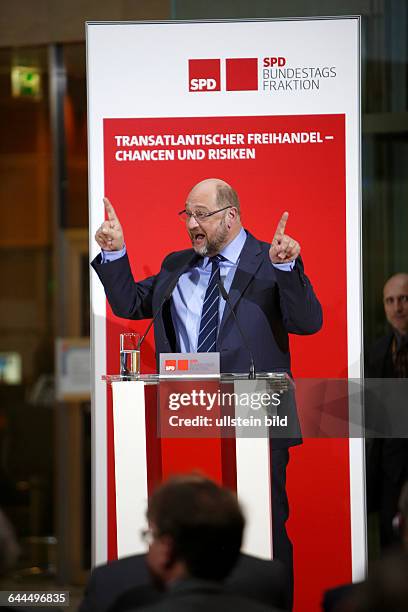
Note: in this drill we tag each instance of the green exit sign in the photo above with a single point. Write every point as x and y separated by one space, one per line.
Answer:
26 82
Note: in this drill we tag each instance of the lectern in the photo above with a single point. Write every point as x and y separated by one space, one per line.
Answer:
218 425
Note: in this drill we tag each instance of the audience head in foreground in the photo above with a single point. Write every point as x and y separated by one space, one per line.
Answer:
194 536
195 530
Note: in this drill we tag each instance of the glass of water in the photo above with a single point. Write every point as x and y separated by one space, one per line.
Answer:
129 354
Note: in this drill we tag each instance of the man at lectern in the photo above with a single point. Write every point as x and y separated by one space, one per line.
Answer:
266 286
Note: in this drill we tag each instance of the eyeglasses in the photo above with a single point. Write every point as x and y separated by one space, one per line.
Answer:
200 216
147 536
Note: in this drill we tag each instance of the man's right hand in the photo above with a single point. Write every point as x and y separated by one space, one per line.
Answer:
110 235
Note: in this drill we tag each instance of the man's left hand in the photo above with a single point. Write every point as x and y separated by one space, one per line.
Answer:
284 249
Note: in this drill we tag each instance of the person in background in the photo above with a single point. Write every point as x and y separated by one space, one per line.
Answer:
387 458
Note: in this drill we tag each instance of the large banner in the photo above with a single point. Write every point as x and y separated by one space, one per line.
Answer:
273 108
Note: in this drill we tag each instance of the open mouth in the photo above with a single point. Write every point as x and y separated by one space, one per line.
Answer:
198 239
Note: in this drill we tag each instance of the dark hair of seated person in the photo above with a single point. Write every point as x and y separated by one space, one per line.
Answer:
204 522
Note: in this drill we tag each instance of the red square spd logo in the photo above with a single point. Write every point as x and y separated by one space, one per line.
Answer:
170 365
242 74
182 364
204 75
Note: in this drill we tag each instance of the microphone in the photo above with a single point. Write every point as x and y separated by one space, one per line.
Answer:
252 372
167 296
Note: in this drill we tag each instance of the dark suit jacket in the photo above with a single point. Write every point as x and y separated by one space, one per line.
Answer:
379 364
332 598
107 582
125 584
386 458
269 304
388 455
192 595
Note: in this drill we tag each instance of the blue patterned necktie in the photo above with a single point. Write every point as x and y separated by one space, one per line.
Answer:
207 336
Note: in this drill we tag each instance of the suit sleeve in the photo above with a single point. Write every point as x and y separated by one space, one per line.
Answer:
127 298
301 310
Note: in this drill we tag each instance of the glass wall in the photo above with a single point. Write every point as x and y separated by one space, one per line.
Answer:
44 482
26 306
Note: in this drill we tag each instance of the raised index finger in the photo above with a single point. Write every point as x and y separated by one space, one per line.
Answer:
280 228
110 211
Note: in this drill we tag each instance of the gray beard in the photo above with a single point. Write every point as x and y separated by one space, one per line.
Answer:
215 245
